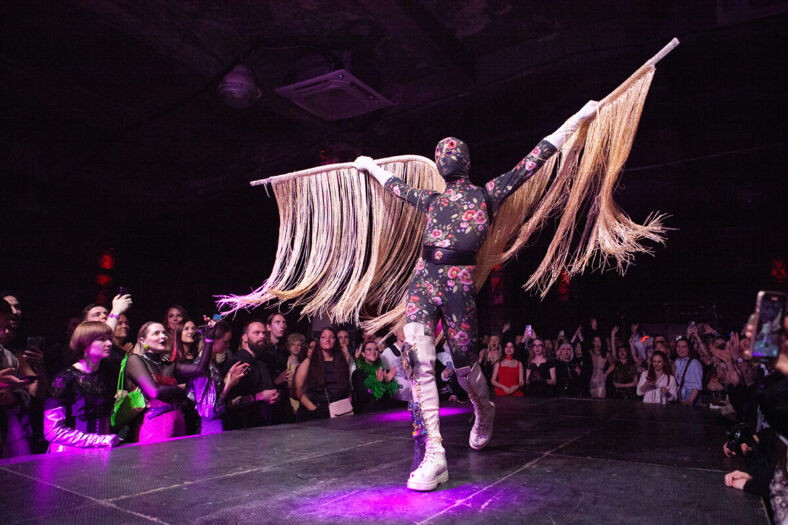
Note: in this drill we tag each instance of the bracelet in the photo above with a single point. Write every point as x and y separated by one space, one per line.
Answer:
114 316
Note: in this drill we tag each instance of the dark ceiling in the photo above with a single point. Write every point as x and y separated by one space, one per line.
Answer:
114 134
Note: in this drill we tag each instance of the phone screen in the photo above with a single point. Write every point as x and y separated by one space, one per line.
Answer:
770 309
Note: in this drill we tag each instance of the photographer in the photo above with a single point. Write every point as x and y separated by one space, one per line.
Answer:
764 451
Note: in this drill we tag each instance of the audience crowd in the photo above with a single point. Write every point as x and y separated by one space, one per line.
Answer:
105 386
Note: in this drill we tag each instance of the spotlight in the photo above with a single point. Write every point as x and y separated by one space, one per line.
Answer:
238 88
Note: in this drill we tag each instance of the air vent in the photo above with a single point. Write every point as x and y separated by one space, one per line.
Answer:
334 96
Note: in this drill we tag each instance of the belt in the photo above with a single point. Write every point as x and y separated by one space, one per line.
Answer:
437 255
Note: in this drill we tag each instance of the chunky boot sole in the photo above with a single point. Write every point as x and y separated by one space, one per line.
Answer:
483 445
425 486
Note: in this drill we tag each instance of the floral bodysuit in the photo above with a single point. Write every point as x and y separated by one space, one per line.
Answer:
457 219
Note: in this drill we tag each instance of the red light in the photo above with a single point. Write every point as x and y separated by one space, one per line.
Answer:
107 260
103 279
779 271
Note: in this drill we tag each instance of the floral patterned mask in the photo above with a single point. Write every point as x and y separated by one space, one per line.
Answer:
452 158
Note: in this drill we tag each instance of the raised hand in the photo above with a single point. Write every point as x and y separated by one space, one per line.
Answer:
234 375
121 303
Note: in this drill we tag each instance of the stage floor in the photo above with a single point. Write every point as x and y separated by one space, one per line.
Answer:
550 461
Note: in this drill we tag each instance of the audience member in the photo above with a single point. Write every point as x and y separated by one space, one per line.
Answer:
322 378
689 373
598 364
251 398
176 314
623 374
373 385
13 336
540 379
508 376
296 345
121 335
567 372
488 357
209 392
15 432
158 380
392 359
276 355
185 344
658 384
79 410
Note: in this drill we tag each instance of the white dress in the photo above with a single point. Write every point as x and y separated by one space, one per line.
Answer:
655 395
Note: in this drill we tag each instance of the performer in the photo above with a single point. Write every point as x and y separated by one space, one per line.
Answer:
441 286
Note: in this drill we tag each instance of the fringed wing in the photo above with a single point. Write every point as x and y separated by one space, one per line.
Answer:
346 246
587 170
584 176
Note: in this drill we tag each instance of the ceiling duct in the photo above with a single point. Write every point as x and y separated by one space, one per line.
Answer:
334 96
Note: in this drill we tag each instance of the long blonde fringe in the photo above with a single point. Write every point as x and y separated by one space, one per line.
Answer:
347 248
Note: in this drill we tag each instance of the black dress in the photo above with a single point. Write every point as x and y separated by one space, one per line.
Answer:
87 400
537 384
317 394
566 379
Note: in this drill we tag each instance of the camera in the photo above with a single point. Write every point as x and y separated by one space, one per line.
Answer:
739 435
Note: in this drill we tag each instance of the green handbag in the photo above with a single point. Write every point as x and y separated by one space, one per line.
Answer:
127 405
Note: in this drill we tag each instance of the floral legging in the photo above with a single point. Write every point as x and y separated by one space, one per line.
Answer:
446 292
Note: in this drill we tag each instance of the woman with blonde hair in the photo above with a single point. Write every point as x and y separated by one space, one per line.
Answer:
158 380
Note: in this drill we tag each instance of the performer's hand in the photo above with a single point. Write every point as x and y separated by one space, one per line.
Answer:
365 163
589 110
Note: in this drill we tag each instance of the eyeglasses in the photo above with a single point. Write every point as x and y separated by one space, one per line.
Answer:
538 344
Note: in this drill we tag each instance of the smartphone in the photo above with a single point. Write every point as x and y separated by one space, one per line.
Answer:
122 290
769 312
217 317
35 341
529 331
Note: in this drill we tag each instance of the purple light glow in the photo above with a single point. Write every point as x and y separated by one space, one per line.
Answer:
394 502
404 415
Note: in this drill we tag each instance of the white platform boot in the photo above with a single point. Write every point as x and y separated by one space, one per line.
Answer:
472 380
433 469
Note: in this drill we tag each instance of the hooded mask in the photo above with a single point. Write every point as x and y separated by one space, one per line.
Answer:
452 158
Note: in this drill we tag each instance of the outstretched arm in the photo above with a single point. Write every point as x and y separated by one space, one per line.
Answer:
504 185
419 199
199 367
